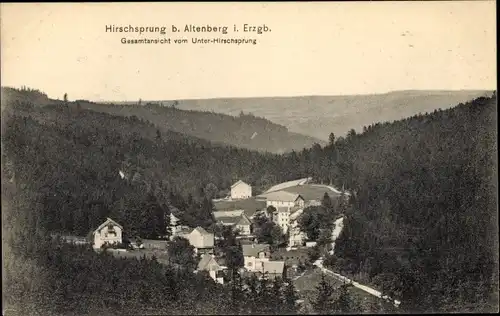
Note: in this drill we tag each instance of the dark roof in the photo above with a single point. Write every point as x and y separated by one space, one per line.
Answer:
254 249
244 220
228 220
274 267
283 195
234 220
239 182
206 260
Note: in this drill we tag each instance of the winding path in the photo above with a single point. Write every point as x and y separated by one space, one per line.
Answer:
339 225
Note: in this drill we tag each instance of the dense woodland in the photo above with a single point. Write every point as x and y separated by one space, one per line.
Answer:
244 131
421 223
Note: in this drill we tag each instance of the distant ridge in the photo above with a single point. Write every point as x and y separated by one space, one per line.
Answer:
318 116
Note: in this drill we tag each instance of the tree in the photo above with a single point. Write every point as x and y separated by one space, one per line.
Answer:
351 133
344 303
181 253
237 293
206 213
266 231
290 294
231 247
65 98
313 254
211 190
265 299
251 301
326 202
309 223
331 139
270 211
234 257
152 218
324 302
324 237
330 261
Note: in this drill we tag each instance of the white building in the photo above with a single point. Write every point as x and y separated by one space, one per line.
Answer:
283 199
255 255
282 217
201 240
241 190
109 232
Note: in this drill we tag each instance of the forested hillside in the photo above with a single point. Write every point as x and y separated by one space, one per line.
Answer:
423 220
243 131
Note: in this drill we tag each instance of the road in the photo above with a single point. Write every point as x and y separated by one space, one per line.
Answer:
339 225
367 289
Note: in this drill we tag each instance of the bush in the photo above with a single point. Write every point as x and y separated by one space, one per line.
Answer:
313 254
330 261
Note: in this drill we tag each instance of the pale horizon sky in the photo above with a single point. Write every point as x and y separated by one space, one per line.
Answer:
313 49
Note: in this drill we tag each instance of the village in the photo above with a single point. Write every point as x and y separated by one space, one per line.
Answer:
282 204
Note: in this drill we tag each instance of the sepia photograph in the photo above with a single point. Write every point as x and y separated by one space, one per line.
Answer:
259 158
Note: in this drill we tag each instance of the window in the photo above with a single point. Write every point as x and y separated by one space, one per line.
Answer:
249 264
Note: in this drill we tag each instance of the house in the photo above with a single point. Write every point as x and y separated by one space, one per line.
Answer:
241 190
109 232
210 264
273 269
201 240
283 198
236 219
254 255
244 225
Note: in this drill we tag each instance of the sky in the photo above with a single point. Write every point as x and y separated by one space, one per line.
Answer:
312 49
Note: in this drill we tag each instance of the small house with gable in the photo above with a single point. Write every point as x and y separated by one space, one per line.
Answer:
236 219
109 232
201 240
209 263
254 255
241 190
272 270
